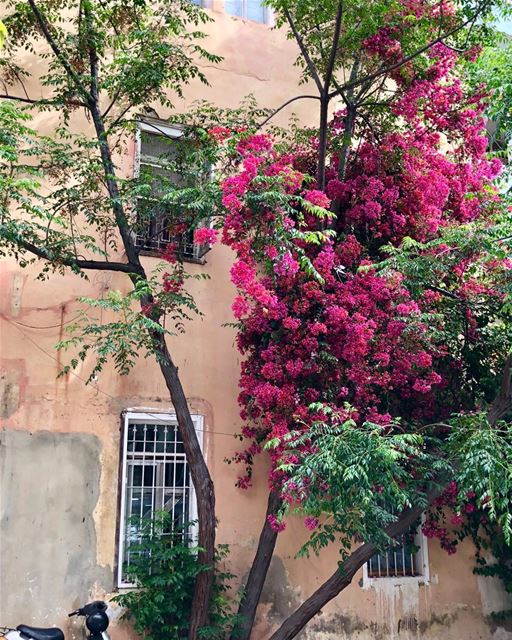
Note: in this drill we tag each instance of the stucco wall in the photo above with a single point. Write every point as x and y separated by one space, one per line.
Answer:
60 449
50 486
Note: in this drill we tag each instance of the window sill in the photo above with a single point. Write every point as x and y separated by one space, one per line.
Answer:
393 581
156 254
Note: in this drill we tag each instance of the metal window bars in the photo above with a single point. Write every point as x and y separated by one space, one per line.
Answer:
402 559
154 231
157 236
157 479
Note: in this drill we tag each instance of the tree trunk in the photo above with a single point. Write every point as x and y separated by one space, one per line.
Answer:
322 140
203 486
258 573
341 578
201 479
350 121
502 403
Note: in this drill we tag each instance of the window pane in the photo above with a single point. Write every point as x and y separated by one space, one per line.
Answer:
401 559
255 11
163 166
234 8
158 147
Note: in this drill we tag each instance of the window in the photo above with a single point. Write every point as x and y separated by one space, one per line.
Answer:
248 9
157 157
155 477
406 558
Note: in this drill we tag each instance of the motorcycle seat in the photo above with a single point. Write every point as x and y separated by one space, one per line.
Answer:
35 633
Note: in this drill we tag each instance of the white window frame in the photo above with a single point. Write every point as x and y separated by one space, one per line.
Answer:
421 558
155 418
154 126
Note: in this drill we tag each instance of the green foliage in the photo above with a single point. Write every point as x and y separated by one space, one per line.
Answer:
56 202
314 21
163 568
136 57
122 340
373 473
3 33
141 57
493 558
492 69
483 459
131 332
432 268
482 454
142 50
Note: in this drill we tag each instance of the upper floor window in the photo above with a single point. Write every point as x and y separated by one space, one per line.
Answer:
205 4
248 9
155 478
160 151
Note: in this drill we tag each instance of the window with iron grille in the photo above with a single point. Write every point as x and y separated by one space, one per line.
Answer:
405 558
157 155
248 9
155 478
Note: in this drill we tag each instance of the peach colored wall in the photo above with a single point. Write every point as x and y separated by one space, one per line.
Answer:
257 60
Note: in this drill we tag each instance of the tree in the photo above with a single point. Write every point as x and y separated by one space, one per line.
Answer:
380 170
371 260
490 71
3 33
110 60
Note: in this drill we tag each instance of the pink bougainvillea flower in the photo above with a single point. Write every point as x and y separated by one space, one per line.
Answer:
205 235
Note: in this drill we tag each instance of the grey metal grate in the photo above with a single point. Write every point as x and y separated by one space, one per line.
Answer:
400 560
156 158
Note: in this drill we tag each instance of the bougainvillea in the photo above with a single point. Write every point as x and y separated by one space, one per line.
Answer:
321 323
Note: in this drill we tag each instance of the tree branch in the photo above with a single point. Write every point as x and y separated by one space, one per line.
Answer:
93 54
56 50
343 576
309 62
322 140
502 403
258 572
415 54
334 47
446 293
112 103
6 96
43 101
93 265
350 122
285 104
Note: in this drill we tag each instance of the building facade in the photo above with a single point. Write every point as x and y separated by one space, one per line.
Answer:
76 461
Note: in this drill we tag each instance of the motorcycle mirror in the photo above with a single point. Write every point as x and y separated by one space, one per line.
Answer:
89 609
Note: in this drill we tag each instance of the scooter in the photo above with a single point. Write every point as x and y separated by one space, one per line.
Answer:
96 621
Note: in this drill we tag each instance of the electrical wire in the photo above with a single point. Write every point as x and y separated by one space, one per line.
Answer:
105 393
31 326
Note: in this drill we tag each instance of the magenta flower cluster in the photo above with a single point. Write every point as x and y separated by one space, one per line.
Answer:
341 333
